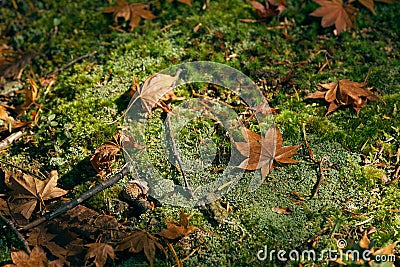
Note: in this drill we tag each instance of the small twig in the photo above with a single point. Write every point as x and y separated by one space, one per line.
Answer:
319 181
315 161
190 254
75 202
58 70
177 156
10 139
16 233
171 248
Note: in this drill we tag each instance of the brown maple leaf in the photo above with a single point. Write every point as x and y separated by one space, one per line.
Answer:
177 230
39 236
343 93
130 12
262 151
100 252
29 191
141 241
37 258
153 89
335 13
270 9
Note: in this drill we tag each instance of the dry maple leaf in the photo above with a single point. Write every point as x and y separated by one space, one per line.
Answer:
29 191
345 92
153 89
141 241
177 230
130 12
100 252
335 13
37 258
40 237
270 9
262 151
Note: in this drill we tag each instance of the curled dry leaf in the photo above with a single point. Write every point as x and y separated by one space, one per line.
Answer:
37 258
30 95
100 252
29 191
270 9
177 230
104 156
335 13
141 241
343 93
130 12
262 151
281 210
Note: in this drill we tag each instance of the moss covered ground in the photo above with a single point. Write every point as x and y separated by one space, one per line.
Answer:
360 153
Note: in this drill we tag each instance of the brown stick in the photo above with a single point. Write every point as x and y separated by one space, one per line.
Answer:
75 202
10 139
58 70
315 161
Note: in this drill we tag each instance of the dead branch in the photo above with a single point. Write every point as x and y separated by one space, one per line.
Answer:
11 226
10 139
75 202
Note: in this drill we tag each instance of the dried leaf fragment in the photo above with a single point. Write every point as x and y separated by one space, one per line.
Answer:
343 93
335 13
281 210
100 252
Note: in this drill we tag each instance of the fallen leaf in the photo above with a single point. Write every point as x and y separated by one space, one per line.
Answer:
262 151
130 12
40 237
29 191
153 89
270 9
177 230
37 258
335 13
368 4
343 93
280 210
141 241
100 252
104 156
